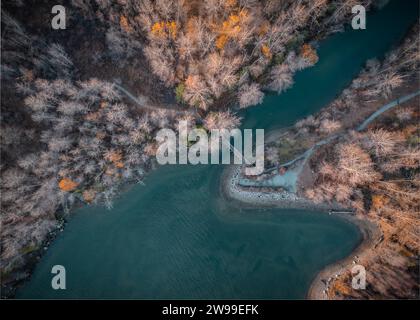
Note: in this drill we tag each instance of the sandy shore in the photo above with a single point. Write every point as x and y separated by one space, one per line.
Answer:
371 235
251 198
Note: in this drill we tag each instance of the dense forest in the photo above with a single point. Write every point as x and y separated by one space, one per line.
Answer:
373 170
218 50
376 170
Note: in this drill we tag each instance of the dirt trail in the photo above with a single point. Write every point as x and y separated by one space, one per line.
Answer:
143 102
306 155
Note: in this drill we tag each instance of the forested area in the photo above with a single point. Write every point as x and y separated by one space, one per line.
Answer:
64 141
217 49
70 137
376 172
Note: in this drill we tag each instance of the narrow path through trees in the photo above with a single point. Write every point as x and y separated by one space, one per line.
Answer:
142 102
289 182
361 127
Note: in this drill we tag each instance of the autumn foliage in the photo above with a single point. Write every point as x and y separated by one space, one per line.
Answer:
309 53
115 157
164 29
266 51
231 28
67 184
78 140
125 25
89 195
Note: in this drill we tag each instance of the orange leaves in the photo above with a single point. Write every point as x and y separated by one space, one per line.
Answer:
124 24
164 29
89 195
231 28
232 25
341 287
172 28
158 29
115 157
191 81
309 53
230 4
67 184
221 41
379 201
266 52
119 164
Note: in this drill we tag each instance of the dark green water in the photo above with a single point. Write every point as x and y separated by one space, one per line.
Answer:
177 238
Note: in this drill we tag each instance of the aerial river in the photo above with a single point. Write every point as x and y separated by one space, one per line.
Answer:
177 237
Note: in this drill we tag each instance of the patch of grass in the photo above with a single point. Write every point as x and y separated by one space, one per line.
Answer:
179 93
279 59
296 43
28 249
290 148
414 140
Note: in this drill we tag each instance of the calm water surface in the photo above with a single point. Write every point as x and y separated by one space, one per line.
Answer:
177 238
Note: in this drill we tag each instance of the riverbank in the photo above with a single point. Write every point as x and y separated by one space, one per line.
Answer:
251 198
371 236
348 120
12 281
290 199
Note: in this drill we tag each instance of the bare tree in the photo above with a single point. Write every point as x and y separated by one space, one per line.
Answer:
281 78
250 95
221 120
355 166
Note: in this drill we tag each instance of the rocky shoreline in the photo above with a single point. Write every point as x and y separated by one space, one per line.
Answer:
12 282
266 198
252 198
371 236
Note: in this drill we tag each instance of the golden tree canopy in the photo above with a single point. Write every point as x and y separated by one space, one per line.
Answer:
163 29
67 184
266 51
309 53
125 25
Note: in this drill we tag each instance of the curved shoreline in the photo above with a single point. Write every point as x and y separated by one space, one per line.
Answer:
273 199
371 235
370 232
257 198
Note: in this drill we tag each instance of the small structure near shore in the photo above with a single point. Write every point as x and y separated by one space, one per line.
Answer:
282 170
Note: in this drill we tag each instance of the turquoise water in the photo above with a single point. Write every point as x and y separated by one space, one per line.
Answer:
341 57
177 237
